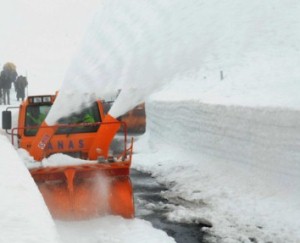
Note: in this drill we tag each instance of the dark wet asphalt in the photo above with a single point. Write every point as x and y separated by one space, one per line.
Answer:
151 206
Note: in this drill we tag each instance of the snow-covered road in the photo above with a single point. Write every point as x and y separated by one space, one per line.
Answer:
153 207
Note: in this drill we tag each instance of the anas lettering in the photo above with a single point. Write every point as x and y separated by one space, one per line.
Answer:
70 144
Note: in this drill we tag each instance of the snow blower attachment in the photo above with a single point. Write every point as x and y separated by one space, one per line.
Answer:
101 184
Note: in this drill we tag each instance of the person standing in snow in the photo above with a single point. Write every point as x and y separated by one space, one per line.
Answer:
20 85
1 91
7 77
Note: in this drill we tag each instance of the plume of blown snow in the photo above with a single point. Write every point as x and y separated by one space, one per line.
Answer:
133 46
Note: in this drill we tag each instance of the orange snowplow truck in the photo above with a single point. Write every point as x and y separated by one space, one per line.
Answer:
99 183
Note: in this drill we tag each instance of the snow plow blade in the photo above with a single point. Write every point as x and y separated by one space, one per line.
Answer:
86 191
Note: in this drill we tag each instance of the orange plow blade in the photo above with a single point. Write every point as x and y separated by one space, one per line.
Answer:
86 192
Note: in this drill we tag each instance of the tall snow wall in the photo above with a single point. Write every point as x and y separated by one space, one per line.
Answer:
268 138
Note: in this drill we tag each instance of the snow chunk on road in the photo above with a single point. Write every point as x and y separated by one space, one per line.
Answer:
24 215
113 229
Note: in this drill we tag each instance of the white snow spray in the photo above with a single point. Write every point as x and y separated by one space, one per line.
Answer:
134 46
101 192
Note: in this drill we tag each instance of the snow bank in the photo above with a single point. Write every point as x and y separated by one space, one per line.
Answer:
24 215
235 166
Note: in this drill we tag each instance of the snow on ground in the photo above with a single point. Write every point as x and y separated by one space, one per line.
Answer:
111 229
236 166
226 138
227 158
24 215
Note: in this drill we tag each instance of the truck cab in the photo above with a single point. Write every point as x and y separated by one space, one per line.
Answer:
74 134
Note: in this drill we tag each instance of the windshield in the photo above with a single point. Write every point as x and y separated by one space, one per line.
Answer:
35 115
88 115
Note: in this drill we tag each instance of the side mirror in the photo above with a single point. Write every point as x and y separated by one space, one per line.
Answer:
6 120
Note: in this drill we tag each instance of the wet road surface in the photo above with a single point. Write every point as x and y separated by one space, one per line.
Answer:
151 206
